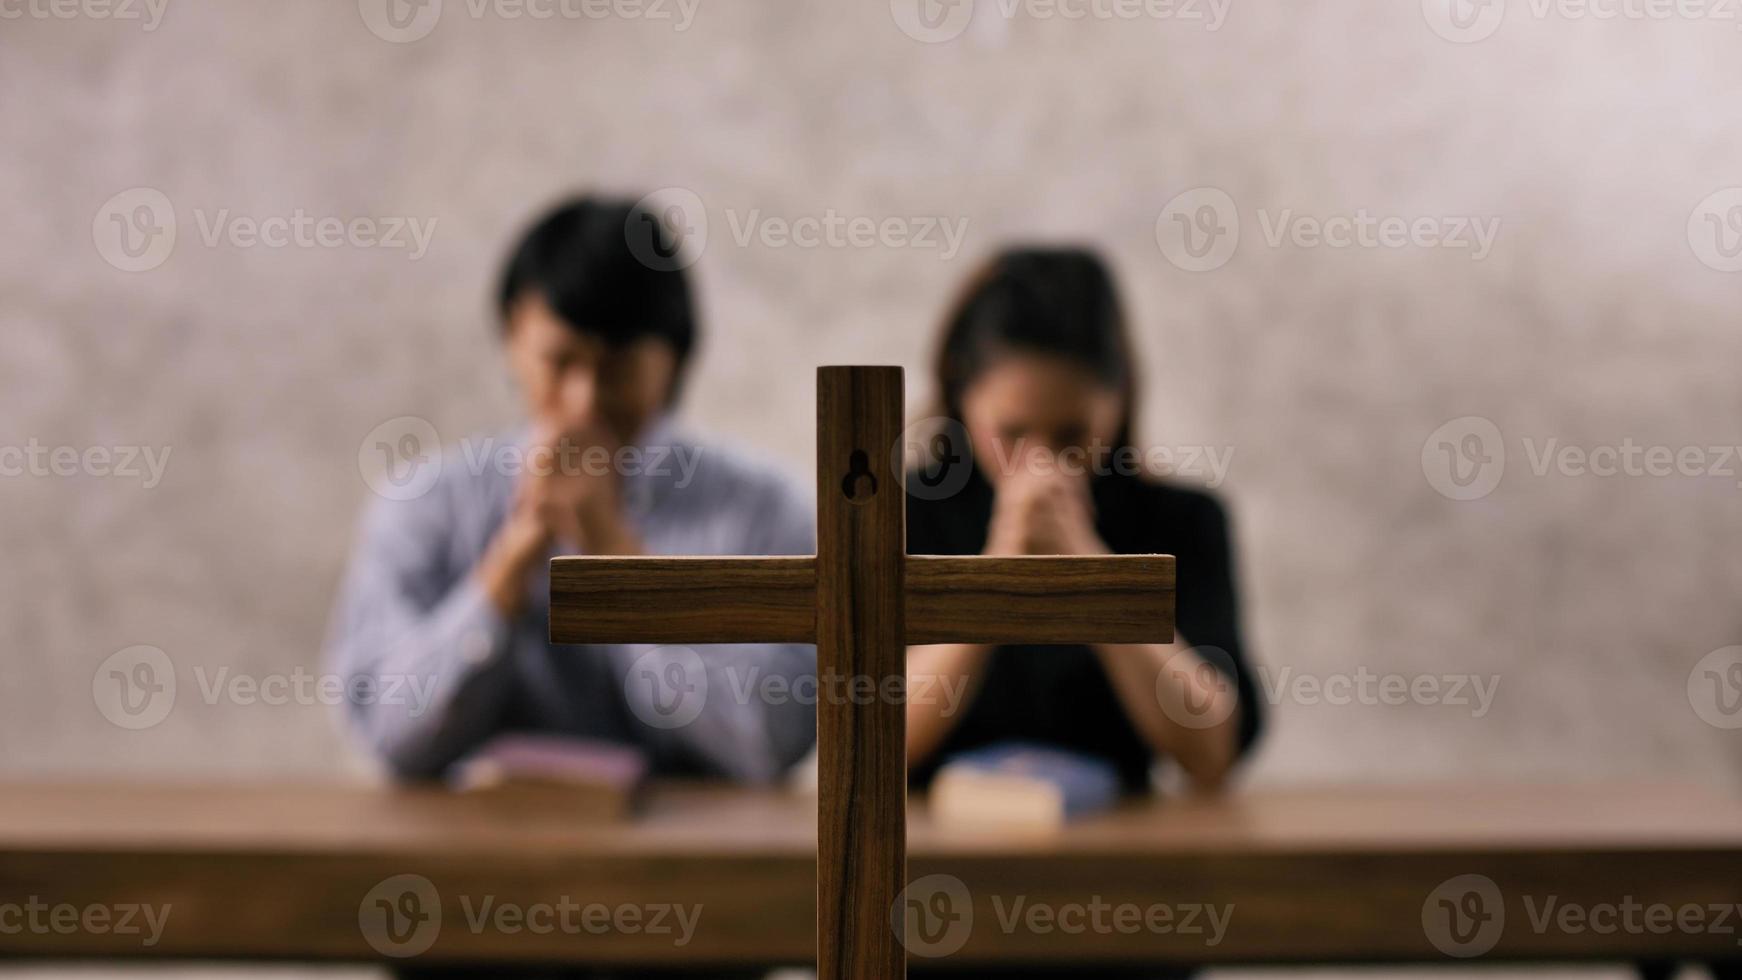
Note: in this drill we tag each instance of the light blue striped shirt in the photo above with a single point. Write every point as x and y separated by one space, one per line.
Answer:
433 670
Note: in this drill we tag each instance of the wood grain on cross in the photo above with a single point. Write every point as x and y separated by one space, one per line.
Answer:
862 600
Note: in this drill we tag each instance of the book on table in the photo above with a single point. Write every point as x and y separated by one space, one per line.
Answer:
1022 784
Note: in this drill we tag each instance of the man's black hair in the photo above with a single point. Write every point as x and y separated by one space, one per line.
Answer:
580 257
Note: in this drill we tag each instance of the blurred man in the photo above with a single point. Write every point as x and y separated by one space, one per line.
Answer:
447 596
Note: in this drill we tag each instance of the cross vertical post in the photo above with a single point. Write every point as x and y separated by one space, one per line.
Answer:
861 741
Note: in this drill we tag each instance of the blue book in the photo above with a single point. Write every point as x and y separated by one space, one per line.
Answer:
1022 783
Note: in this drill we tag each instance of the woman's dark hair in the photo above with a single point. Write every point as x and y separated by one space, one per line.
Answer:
608 268
1059 302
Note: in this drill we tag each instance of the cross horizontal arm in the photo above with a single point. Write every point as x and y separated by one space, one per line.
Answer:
950 599
1040 599
683 600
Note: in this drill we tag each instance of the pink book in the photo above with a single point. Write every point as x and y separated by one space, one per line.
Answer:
603 773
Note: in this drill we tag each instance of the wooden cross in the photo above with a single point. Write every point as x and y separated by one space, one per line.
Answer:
862 600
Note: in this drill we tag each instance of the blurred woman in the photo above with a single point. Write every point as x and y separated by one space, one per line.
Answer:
1036 367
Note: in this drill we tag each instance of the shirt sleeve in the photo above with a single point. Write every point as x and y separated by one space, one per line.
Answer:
419 645
791 727
1210 611
755 714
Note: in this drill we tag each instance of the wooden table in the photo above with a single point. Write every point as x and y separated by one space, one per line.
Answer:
1347 874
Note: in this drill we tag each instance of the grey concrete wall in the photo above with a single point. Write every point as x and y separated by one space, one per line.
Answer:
1591 319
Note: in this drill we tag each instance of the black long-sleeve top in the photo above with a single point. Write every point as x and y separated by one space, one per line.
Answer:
1060 695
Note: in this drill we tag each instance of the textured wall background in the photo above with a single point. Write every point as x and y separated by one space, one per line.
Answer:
1592 320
